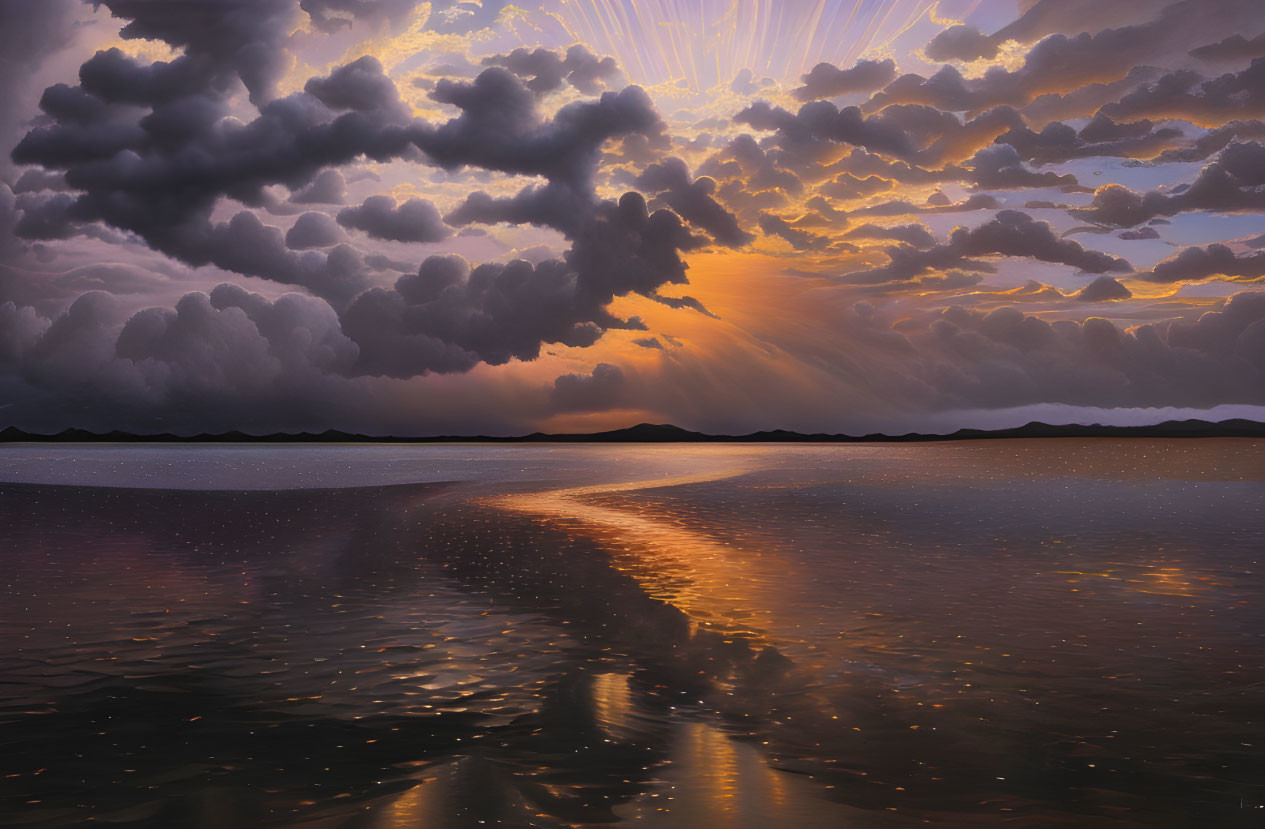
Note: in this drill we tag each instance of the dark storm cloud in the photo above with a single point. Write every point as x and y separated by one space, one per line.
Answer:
829 81
1196 263
359 86
1005 357
598 390
1103 289
448 318
1230 183
416 220
162 153
692 200
221 361
29 33
160 180
1011 233
245 38
313 230
328 187
499 129
547 71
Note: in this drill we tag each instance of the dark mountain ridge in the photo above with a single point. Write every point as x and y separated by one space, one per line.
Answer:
665 433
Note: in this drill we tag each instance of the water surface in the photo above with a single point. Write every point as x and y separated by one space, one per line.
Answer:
1035 633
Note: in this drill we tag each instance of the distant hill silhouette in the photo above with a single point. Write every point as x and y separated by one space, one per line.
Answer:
664 433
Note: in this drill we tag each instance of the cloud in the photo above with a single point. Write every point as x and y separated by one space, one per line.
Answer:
846 186
1213 142
961 43
328 187
1011 233
914 234
1006 358
1061 63
224 37
1101 138
1231 182
416 220
828 81
799 239
29 34
313 230
1184 94
547 71
1103 289
999 168
598 390
1196 263
1233 49
979 201
331 15
692 200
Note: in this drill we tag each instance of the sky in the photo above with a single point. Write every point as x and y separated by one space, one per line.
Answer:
396 217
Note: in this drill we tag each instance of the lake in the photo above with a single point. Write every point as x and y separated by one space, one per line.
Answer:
1023 632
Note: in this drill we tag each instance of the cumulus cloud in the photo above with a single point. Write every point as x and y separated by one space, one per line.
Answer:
1101 138
313 230
140 174
773 225
961 43
547 71
829 81
914 234
1011 233
1231 182
692 200
1061 62
1005 358
328 187
1234 48
999 168
416 220
1103 289
1184 94
1196 263
597 390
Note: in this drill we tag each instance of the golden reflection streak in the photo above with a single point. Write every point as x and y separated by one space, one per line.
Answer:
612 702
710 582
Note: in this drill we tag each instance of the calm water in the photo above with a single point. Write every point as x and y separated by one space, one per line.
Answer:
1023 633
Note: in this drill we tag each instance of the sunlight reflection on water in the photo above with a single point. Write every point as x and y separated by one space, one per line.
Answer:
1060 632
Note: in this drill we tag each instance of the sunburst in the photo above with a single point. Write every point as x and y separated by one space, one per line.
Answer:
704 43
